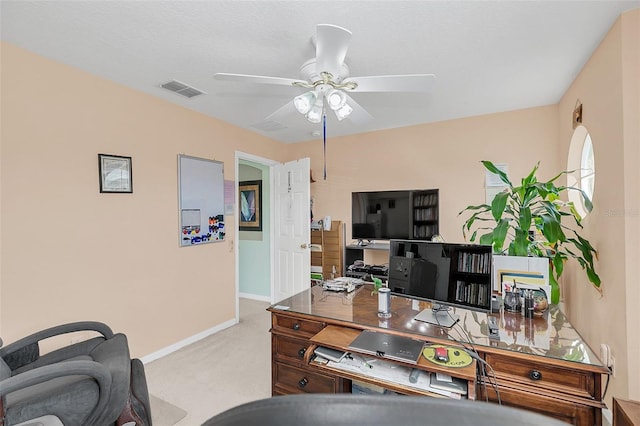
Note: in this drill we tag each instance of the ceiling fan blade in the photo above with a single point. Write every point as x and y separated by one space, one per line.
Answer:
256 79
332 43
285 117
359 115
394 83
282 113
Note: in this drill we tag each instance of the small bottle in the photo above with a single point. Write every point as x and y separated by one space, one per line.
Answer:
384 302
528 304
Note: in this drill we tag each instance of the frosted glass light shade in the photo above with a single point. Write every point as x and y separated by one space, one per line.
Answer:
315 114
304 102
343 112
336 99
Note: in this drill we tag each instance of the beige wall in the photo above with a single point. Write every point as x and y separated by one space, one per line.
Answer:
631 134
70 253
608 89
443 155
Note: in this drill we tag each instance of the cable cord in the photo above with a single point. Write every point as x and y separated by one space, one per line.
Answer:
480 369
606 386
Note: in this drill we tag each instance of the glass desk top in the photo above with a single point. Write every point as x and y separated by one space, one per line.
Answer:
550 335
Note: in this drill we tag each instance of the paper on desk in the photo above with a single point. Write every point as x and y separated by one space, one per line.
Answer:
390 372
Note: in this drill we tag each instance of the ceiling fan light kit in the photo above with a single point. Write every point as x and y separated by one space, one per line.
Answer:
327 79
336 99
315 113
311 103
343 112
304 102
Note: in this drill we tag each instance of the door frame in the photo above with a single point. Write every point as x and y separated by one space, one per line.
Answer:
239 155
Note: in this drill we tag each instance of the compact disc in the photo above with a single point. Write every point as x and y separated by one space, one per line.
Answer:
458 357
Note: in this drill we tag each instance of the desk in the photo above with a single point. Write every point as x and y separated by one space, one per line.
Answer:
541 364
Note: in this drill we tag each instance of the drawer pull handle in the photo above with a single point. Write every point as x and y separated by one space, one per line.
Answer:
303 382
296 326
535 375
301 352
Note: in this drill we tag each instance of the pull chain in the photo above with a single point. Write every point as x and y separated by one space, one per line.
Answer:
324 137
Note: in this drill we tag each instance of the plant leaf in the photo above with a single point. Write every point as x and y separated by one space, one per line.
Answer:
575 214
524 221
499 234
498 204
486 239
520 245
558 263
484 207
593 277
493 169
531 177
552 230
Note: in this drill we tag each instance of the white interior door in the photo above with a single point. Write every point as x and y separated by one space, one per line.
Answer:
292 233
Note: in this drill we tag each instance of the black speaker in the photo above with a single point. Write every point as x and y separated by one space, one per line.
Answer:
414 276
422 279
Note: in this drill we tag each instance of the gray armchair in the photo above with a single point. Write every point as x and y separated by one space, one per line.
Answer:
93 382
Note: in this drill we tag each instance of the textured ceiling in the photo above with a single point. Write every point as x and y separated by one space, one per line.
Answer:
488 56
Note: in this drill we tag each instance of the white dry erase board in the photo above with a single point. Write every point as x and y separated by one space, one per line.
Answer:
200 200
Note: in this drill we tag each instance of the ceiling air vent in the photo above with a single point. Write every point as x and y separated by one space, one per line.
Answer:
269 126
182 89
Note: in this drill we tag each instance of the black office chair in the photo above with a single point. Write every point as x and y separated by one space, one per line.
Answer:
374 410
93 382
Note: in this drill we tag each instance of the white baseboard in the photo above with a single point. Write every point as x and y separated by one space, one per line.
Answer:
255 297
189 340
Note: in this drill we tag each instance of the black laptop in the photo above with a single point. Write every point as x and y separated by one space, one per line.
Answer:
388 346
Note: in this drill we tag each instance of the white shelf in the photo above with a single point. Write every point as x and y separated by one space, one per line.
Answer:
370 246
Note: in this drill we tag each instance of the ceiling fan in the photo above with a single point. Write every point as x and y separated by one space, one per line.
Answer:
328 82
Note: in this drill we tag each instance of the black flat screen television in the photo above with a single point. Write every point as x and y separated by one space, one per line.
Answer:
381 215
446 274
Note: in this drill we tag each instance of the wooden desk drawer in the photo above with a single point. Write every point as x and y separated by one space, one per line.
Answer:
302 327
544 376
301 380
289 347
331 239
570 412
331 257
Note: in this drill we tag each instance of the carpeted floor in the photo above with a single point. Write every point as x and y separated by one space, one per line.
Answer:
164 413
221 371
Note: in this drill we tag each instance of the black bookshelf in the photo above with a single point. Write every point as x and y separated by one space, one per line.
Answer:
424 214
470 276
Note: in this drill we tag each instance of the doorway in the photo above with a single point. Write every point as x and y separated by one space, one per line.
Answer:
285 207
253 246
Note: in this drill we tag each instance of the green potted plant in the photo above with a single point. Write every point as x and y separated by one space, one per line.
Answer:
518 213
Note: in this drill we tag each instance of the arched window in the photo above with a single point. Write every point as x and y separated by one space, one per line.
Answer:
581 159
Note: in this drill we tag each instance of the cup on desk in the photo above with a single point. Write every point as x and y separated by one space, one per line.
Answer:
384 302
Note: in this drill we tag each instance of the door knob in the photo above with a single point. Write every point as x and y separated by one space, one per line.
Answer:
304 246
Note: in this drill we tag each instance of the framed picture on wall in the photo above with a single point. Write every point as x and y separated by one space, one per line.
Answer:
115 173
250 205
